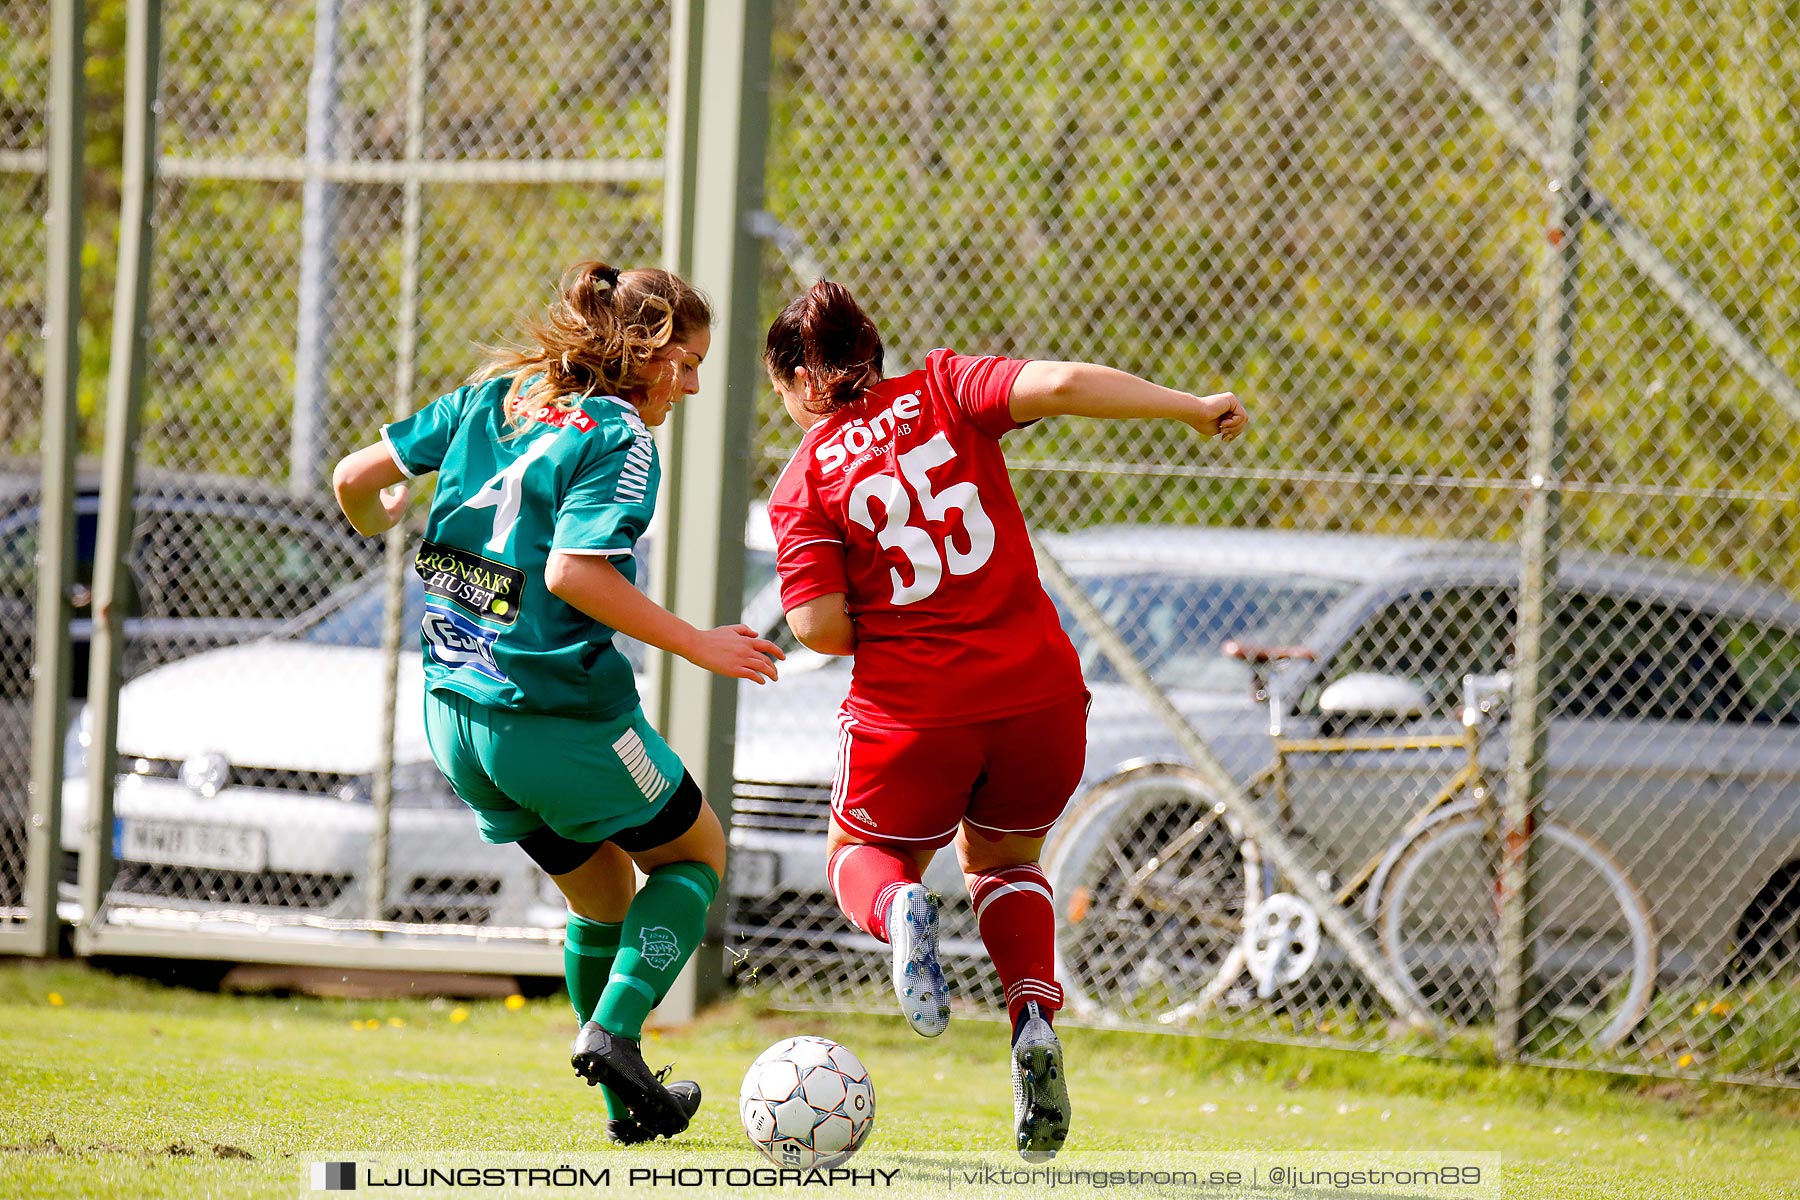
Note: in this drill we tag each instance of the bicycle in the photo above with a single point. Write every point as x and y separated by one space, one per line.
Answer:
1169 907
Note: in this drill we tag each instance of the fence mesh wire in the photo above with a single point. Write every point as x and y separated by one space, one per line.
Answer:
282 312
1338 211
24 136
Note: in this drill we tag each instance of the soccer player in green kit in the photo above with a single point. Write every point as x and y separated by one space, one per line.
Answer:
547 476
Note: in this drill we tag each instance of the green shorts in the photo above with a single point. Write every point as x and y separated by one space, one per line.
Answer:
584 779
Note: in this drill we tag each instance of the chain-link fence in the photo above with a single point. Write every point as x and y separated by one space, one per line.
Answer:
1344 211
1339 210
352 197
24 135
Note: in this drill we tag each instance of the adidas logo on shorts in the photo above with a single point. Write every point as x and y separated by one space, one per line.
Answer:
862 814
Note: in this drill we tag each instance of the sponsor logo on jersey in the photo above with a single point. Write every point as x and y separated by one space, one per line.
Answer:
479 586
658 946
856 438
458 643
568 418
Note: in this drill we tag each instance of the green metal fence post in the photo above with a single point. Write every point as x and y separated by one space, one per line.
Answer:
56 496
703 564
394 563
1558 283
687 21
124 408
681 156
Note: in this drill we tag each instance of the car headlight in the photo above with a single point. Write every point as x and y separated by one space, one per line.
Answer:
417 784
76 743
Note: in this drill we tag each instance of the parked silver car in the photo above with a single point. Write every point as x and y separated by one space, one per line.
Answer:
1675 744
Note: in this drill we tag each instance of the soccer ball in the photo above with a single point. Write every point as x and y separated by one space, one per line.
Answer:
807 1102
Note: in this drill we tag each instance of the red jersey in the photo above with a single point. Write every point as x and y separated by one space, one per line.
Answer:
902 502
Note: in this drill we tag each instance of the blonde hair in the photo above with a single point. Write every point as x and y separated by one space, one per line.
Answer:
598 337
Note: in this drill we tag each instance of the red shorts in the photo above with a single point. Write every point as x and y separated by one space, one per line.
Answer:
915 786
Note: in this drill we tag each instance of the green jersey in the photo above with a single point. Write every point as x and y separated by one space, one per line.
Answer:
582 480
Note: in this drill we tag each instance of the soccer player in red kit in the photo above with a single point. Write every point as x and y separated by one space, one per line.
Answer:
900 543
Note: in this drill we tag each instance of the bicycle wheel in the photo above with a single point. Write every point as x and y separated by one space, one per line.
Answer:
1150 890
1594 948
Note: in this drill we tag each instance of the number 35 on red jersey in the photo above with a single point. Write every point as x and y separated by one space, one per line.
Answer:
902 502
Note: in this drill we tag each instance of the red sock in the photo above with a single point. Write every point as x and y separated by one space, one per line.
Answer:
1018 926
864 879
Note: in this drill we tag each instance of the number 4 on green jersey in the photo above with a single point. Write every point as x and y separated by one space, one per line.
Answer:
501 493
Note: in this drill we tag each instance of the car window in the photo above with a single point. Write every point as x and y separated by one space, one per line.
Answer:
212 564
1175 623
21 539
1433 637
1624 658
1767 659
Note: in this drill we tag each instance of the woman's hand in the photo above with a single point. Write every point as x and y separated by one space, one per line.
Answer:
1221 413
734 651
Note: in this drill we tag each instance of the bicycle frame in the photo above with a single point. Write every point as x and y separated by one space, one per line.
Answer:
1478 692
1469 777
1482 696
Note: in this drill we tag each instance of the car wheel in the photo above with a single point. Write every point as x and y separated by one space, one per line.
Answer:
1150 883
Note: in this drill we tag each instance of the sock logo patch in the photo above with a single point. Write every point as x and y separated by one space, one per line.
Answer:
658 947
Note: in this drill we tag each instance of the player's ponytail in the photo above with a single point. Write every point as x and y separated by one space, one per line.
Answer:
599 337
830 335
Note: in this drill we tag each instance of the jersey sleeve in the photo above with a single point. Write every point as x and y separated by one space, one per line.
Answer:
980 386
420 442
608 504
809 545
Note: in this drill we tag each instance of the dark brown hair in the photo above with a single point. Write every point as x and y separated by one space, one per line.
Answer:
598 337
830 335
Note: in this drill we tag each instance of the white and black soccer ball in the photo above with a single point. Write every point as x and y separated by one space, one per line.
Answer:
807 1102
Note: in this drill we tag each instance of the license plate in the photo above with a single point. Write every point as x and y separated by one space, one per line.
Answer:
753 872
178 844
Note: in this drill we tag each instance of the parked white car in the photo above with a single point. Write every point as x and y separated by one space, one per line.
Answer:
245 782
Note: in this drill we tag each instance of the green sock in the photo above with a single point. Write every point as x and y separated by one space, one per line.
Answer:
666 922
589 948
588 952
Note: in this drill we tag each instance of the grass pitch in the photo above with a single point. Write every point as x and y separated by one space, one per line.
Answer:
114 1086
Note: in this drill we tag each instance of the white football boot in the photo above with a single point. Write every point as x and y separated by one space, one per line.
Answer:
912 927
1040 1093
